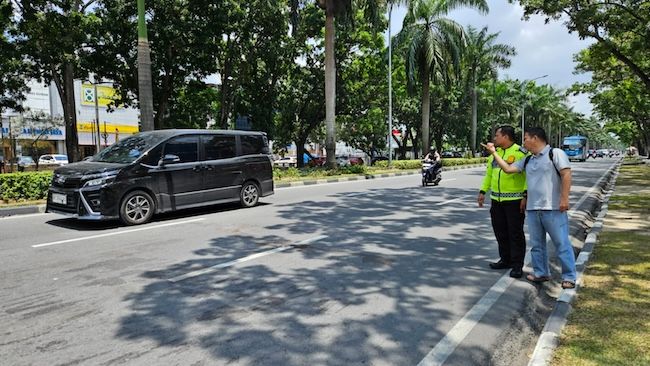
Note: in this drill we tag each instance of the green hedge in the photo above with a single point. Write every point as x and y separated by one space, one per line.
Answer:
24 186
417 164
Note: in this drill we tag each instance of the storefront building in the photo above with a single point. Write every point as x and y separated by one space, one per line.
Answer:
40 129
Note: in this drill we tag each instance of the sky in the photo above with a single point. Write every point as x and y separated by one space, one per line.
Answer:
542 49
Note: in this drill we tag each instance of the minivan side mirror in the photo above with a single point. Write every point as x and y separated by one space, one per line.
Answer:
170 159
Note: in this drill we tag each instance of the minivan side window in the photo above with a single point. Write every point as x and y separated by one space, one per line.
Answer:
254 144
219 146
185 147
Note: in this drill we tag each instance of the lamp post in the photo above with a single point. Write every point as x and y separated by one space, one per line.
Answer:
523 104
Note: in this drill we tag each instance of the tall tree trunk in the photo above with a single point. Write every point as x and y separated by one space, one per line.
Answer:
145 93
474 120
69 113
330 88
425 113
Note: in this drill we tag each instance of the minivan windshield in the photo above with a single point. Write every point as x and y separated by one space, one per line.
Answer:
128 150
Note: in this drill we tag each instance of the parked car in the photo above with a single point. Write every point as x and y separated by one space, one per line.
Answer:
165 170
23 162
451 154
375 159
345 160
286 162
53 159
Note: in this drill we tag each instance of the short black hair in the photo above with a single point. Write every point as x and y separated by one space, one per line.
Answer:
537 132
507 130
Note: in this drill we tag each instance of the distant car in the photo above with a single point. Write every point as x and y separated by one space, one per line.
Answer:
451 154
345 160
23 162
286 162
601 153
53 159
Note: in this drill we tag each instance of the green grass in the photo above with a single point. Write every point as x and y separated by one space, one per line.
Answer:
610 321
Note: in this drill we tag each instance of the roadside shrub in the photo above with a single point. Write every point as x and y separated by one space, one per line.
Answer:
353 169
24 186
280 173
417 164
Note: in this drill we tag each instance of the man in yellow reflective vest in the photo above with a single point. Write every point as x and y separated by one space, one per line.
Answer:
508 194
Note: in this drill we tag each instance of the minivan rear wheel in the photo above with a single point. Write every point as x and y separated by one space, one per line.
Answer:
249 194
136 208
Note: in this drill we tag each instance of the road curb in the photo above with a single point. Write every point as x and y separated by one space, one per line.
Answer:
548 340
21 210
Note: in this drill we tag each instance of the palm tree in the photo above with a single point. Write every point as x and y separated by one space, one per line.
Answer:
145 93
337 8
428 38
483 58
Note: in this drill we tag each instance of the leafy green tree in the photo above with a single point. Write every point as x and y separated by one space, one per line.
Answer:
52 36
194 106
12 79
363 88
620 28
429 38
341 9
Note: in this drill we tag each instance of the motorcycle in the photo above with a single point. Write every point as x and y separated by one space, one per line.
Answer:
431 172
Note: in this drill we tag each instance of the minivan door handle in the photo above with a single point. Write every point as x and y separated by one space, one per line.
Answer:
198 168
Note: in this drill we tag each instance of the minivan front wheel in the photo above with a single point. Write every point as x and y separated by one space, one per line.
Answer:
249 194
136 208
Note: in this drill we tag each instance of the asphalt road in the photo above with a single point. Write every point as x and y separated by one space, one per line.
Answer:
364 272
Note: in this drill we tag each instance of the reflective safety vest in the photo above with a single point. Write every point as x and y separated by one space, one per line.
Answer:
504 186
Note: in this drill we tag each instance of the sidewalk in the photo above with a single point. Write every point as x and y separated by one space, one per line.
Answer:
39 208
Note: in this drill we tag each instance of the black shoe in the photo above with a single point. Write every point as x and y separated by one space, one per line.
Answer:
500 265
516 273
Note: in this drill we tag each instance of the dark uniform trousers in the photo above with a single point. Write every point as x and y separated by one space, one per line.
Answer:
508 226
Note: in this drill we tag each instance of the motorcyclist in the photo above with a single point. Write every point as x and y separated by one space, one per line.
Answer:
433 156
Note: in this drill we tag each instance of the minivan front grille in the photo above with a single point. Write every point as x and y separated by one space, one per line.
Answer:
62 181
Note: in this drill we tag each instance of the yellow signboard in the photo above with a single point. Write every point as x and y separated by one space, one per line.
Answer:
109 128
106 95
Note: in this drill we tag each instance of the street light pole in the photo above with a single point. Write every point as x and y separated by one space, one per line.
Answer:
390 91
96 114
523 104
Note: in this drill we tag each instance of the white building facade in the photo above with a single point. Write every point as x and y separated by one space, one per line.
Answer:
42 122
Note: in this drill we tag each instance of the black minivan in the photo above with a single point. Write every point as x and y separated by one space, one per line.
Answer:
164 170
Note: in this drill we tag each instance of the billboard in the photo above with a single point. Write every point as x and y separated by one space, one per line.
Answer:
106 95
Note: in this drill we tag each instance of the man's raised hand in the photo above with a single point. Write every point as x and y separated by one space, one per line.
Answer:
489 147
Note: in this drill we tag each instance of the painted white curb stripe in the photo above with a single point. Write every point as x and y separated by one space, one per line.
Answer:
244 259
448 344
115 233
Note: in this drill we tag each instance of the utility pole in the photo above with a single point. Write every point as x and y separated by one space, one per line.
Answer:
145 93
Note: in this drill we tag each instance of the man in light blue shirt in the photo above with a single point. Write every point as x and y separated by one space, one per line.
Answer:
548 177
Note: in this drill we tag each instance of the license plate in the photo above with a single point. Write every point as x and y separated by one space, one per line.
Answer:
58 198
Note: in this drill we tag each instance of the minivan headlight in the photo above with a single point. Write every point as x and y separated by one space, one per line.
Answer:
99 180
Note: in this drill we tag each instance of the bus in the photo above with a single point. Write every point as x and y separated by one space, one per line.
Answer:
576 147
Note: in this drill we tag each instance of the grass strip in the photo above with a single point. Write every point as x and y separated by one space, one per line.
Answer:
610 321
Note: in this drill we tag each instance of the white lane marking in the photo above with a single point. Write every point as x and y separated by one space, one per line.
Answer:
115 233
447 345
244 259
457 334
449 201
